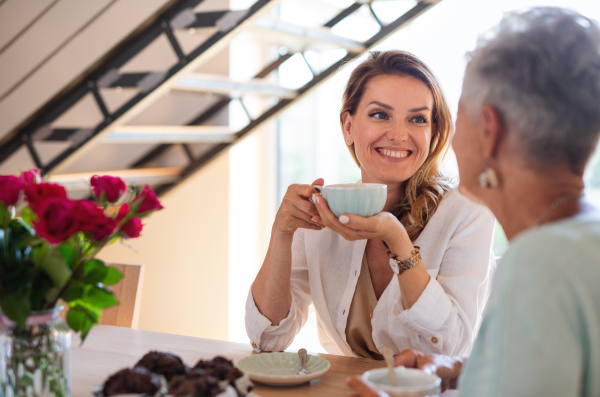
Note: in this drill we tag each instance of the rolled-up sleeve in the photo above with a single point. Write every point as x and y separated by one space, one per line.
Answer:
447 315
264 336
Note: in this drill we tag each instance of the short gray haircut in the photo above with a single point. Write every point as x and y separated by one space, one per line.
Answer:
540 69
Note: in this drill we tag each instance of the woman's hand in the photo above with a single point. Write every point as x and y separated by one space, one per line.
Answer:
383 226
446 367
296 211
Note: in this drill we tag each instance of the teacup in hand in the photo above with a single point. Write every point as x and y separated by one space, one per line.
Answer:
364 199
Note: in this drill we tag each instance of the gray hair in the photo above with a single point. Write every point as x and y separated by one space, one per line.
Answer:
540 69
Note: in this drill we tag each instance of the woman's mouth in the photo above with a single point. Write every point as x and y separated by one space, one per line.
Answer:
394 154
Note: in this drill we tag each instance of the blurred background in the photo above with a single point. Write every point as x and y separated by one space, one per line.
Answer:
219 105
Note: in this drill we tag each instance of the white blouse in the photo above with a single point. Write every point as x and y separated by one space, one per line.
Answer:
456 250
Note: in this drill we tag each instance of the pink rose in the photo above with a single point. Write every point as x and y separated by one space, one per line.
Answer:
56 219
132 228
10 189
149 201
112 187
123 212
35 194
32 176
93 220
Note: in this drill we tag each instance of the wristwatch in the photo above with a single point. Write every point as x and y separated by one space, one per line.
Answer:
399 266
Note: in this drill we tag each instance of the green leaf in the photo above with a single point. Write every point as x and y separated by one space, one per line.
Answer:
4 214
68 253
112 277
74 292
95 271
81 319
28 216
17 307
56 267
100 297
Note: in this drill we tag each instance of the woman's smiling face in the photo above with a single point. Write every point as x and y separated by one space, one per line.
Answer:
391 128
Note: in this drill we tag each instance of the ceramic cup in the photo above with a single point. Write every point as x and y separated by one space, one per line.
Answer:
409 382
364 199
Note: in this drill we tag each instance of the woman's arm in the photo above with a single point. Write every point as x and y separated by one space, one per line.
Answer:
442 314
271 289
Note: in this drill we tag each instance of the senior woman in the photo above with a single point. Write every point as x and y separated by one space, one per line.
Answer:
397 126
528 122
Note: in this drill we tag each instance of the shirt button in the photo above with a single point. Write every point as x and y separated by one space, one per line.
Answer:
434 339
254 345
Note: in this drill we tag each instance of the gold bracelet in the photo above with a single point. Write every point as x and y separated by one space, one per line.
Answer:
399 266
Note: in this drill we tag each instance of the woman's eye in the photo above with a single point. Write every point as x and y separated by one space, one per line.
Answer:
420 120
379 115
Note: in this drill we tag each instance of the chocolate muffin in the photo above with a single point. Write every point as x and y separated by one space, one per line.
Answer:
165 364
220 367
132 380
197 383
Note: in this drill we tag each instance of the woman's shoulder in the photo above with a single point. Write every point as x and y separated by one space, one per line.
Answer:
455 205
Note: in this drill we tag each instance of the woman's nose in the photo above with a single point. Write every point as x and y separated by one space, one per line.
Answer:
397 132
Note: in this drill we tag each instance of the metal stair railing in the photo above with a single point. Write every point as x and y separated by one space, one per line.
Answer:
181 77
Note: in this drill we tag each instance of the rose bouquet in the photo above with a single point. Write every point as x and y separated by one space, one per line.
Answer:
49 252
47 257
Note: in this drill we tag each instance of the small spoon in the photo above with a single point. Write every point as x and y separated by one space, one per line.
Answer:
387 355
302 354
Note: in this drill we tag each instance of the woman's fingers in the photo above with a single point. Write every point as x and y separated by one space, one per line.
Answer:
329 220
363 389
407 358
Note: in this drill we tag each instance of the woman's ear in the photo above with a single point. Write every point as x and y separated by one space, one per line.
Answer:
347 126
493 131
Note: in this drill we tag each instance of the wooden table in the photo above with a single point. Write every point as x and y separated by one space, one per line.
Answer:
108 349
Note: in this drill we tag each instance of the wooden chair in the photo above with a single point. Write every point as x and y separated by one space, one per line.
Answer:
128 292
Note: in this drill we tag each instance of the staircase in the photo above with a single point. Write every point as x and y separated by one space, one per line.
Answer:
131 73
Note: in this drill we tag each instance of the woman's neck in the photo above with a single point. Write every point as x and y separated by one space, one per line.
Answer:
531 197
395 191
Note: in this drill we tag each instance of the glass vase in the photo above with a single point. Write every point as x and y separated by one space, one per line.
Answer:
35 361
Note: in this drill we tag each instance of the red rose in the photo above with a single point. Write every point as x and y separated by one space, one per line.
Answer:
149 201
35 194
32 176
56 219
132 228
10 189
123 212
112 187
93 220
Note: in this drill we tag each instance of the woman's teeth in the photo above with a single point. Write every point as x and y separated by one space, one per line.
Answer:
395 153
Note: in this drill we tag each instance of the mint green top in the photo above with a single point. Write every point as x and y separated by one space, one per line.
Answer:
540 334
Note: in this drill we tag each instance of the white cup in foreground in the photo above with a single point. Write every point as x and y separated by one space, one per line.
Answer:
410 382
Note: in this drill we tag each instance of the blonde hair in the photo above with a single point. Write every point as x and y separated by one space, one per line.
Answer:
424 190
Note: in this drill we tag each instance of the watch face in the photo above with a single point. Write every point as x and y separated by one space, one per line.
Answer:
394 266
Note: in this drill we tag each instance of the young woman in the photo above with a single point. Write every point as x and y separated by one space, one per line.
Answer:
397 126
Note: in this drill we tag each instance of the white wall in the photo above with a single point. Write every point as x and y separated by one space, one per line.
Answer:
185 250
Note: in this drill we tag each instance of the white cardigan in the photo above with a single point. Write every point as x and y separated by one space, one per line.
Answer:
456 250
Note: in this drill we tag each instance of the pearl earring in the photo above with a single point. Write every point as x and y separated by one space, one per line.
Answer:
488 178
348 141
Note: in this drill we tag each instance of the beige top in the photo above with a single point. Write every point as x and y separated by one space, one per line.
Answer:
359 332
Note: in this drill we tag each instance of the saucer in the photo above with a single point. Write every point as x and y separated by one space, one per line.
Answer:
280 369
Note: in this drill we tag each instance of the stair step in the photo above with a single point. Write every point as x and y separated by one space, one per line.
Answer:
220 84
302 35
144 176
170 134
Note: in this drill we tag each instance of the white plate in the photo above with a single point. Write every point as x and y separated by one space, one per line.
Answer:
279 369
411 382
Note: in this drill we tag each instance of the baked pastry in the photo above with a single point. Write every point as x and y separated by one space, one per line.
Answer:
220 367
132 380
195 382
165 364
